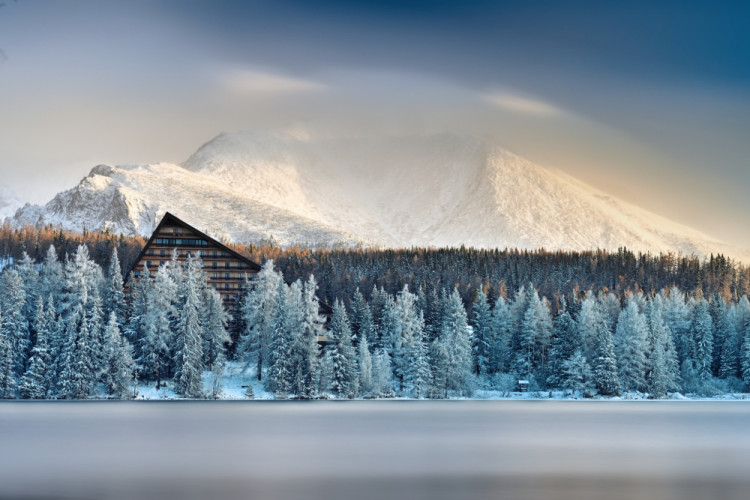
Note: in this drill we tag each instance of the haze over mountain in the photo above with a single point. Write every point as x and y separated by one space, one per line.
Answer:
440 190
9 202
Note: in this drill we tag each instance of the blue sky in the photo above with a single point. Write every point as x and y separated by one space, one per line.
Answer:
647 100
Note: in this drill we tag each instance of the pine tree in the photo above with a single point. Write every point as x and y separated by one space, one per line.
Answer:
727 354
701 349
35 383
259 311
156 322
502 325
577 375
484 334
631 346
312 330
344 381
215 335
115 297
662 372
51 276
566 340
365 365
381 375
418 376
118 360
189 356
455 336
604 364
279 360
15 327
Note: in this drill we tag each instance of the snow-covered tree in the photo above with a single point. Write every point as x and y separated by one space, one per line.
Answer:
15 327
662 372
364 359
35 382
455 336
381 375
701 348
156 325
189 355
577 375
114 295
502 325
631 346
118 359
345 382
215 335
566 340
484 334
260 308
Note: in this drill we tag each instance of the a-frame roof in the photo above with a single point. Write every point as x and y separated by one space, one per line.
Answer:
170 219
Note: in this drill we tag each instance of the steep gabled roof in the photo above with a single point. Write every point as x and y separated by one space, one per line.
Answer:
170 219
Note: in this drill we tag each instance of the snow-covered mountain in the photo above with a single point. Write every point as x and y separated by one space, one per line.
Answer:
9 203
442 190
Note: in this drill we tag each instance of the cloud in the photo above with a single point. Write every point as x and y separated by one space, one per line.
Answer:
523 105
265 84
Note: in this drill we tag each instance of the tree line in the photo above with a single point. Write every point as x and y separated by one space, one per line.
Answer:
418 323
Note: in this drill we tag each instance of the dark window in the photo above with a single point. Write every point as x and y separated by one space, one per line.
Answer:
151 252
226 264
213 264
162 252
148 263
226 275
226 286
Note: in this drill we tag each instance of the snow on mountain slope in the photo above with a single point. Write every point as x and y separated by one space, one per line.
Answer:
8 202
442 190
132 199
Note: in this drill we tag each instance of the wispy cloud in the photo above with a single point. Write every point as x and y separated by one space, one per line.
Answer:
264 84
520 104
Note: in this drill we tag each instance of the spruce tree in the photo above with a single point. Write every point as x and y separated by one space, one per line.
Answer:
365 365
701 349
345 382
189 356
576 374
260 303
662 372
119 364
36 379
15 327
484 334
566 340
631 345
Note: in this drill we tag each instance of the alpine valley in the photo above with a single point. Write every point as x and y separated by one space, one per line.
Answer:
430 191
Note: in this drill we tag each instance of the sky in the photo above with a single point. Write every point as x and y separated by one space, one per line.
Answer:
649 101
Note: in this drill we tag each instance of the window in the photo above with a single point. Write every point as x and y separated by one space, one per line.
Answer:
226 286
239 265
214 275
214 253
226 275
213 265
203 254
151 252
148 263
162 252
226 265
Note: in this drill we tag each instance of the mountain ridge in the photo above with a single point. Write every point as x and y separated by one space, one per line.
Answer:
431 191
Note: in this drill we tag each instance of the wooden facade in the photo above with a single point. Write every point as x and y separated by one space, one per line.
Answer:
225 269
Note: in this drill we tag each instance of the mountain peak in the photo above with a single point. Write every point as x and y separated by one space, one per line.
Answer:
431 190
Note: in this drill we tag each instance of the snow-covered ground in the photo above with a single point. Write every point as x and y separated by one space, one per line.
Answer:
238 376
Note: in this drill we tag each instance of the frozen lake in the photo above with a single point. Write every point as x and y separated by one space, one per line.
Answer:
376 449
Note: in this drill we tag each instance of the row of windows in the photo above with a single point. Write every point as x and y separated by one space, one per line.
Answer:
214 265
202 253
187 242
216 276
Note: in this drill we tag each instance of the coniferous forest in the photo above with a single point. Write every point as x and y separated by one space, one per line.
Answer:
422 323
